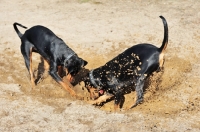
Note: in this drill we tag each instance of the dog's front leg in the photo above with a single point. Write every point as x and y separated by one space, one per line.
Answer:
117 99
54 74
26 50
101 99
139 90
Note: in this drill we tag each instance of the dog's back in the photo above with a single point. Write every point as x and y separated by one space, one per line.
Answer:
40 35
132 61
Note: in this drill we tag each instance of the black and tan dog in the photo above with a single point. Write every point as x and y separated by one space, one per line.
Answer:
129 69
54 51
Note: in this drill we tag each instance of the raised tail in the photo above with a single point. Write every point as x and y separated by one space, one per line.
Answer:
165 39
16 29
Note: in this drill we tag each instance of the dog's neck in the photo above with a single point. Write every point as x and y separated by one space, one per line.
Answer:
68 57
96 82
98 78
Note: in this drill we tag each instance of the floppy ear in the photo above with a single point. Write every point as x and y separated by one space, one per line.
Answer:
84 63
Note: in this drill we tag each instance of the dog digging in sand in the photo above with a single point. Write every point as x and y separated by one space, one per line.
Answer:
54 51
128 69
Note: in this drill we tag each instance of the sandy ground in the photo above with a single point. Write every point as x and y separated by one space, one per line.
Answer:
98 30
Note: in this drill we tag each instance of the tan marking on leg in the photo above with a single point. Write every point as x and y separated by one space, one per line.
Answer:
46 64
116 107
134 100
67 87
101 99
31 70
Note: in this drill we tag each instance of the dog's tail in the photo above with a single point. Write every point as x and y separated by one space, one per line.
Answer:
165 40
16 29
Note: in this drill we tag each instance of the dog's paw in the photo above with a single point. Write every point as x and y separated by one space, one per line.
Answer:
139 101
93 102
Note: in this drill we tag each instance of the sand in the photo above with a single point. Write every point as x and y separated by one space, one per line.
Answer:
98 30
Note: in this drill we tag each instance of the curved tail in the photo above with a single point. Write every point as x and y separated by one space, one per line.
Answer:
16 29
165 40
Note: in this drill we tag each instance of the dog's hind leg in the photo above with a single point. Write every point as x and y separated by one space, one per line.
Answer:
46 68
46 64
139 90
26 49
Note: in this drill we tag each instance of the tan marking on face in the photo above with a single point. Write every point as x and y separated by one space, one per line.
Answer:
66 70
70 78
94 93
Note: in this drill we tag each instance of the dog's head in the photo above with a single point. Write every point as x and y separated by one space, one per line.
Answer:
94 92
74 65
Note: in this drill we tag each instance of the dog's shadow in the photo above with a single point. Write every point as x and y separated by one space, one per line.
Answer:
40 73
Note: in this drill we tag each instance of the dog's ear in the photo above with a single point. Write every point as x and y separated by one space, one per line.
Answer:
84 63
